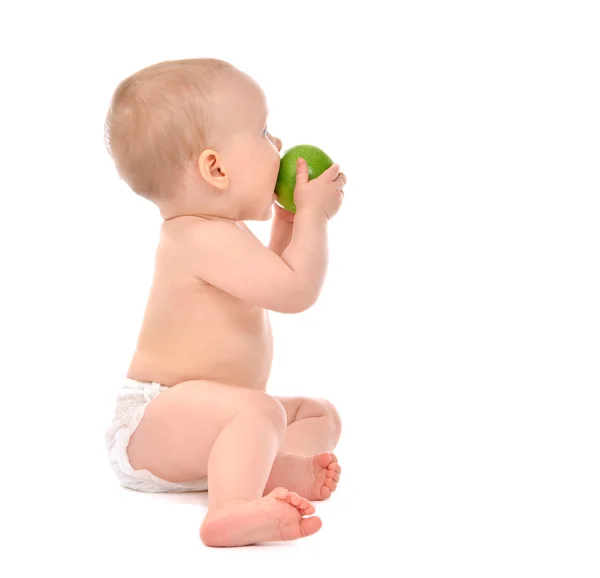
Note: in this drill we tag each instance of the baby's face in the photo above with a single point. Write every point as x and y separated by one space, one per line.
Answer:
250 152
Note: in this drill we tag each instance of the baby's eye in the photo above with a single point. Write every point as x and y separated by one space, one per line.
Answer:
265 131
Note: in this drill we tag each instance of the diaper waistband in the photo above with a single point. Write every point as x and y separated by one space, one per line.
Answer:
134 394
148 389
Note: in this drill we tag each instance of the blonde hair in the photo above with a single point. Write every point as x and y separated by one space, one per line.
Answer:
159 120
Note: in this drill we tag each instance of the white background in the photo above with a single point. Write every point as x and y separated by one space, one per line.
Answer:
458 332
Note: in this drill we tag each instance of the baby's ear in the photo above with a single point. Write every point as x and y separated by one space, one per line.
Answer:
210 165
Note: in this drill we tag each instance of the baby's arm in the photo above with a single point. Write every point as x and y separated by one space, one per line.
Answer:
281 229
239 264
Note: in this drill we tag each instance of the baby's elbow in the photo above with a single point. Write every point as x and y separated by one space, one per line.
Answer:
296 308
298 303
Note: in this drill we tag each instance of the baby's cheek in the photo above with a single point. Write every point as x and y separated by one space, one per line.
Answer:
276 164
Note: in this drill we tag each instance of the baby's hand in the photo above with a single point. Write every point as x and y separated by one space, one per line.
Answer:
324 192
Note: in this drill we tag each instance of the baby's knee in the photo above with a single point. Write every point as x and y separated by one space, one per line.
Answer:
332 414
319 407
270 408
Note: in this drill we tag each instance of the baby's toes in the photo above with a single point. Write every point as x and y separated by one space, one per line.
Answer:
304 506
300 503
325 459
279 493
308 510
325 492
328 488
333 476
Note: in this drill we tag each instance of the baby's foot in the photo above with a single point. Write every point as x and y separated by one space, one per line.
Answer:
313 477
278 516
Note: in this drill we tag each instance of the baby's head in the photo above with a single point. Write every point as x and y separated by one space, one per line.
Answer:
191 136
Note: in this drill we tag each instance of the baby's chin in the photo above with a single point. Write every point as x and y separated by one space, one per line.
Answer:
257 215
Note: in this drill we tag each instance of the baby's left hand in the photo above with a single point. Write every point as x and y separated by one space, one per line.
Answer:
282 215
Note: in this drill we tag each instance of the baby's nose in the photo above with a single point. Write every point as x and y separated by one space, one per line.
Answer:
278 142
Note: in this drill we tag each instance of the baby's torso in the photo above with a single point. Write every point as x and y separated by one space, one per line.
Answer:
191 330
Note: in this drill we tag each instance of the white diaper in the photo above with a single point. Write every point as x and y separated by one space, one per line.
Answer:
132 401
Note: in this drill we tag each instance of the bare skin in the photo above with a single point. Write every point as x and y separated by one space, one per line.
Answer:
277 516
206 335
313 477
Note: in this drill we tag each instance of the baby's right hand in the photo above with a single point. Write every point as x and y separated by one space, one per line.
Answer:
324 193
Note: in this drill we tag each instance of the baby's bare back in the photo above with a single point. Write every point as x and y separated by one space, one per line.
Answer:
192 330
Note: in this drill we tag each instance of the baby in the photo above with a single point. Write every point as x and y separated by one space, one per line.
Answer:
191 137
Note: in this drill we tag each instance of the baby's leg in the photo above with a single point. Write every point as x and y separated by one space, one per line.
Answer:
231 434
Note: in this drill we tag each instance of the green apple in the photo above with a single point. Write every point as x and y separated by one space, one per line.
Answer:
318 162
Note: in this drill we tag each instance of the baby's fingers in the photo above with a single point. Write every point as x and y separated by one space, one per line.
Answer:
341 179
331 173
301 171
